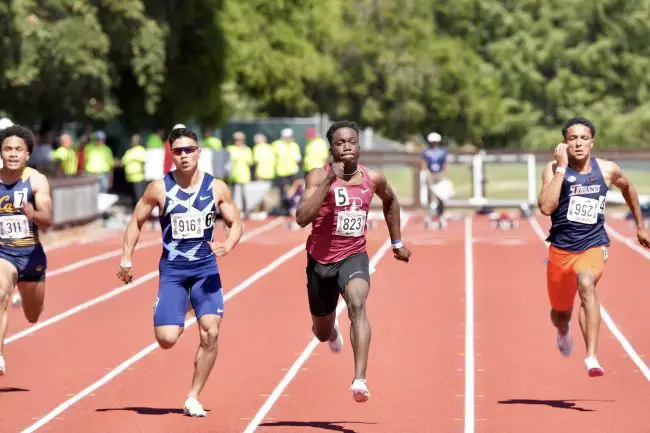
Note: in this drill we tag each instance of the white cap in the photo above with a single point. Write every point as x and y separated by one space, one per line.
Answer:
179 126
434 137
287 132
5 123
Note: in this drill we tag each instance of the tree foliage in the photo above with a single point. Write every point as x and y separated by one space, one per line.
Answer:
492 73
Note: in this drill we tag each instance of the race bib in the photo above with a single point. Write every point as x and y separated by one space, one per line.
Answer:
14 227
585 210
187 226
351 223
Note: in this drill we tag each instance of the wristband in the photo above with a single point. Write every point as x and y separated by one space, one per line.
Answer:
397 245
126 264
560 170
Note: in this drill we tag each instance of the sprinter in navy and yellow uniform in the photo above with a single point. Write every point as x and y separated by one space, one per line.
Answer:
574 195
187 200
25 206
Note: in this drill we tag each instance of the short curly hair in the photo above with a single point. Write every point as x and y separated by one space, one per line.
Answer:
577 120
21 132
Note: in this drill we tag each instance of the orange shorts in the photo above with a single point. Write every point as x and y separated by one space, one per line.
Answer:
562 273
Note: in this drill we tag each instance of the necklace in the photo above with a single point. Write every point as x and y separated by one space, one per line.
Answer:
353 173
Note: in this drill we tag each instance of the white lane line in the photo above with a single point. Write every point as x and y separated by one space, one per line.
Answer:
304 356
150 348
106 296
607 319
469 327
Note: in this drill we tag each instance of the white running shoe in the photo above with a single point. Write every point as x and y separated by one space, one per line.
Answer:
16 300
193 407
593 367
359 390
565 342
3 366
337 344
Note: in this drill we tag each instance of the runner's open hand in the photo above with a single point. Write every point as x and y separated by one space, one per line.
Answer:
562 155
219 248
643 235
402 254
125 274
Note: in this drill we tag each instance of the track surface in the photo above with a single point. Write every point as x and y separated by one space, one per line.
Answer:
461 342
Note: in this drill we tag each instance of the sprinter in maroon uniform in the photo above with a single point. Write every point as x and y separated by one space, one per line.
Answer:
336 201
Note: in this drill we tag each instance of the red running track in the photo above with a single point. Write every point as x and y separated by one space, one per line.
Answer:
416 373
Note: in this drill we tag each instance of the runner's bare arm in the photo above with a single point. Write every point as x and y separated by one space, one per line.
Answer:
231 217
549 196
317 185
389 202
149 200
630 194
42 215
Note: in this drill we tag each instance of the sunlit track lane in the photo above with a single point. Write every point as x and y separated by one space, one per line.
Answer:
60 360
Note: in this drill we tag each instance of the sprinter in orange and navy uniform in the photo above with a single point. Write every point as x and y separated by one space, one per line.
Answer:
574 190
25 206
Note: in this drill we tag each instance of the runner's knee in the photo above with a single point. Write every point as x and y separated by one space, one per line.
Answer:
209 336
167 336
586 285
322 327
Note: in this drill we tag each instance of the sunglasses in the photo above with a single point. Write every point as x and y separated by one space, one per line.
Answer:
180 150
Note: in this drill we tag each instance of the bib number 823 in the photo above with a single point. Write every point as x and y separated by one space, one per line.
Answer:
350 223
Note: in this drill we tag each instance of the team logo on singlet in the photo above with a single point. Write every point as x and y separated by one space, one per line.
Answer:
352 220
584 189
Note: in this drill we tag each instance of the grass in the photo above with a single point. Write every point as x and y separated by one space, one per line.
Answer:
503 181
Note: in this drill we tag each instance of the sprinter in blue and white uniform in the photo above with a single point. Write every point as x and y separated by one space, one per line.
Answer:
188 200
574 194
25 206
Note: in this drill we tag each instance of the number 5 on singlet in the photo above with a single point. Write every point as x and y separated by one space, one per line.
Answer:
186 226
585 210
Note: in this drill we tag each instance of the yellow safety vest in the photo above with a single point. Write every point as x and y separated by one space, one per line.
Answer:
133 162
241 159
265 161
98 158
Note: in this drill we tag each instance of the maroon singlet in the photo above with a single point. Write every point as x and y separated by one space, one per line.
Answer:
339 229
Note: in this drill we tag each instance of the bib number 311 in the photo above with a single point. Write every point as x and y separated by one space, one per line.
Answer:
350 223
14 227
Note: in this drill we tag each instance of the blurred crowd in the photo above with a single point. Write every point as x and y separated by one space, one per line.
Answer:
278 161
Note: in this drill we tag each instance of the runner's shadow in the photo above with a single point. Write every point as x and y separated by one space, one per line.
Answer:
12 389
560 404
147 410
324 425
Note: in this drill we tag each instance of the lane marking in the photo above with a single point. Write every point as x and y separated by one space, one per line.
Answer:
607 319
153 346
106 296
469 327
313 343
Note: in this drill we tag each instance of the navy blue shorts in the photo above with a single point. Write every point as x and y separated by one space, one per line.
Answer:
30 265
198 283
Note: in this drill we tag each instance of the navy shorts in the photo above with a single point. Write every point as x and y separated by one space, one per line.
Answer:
197 283
30 265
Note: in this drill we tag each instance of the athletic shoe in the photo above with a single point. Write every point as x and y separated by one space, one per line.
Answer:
337 343
565 342
359 390
593 367
3 367
16 300
193 407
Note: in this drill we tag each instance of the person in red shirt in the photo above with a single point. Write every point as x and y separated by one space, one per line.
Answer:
336 201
